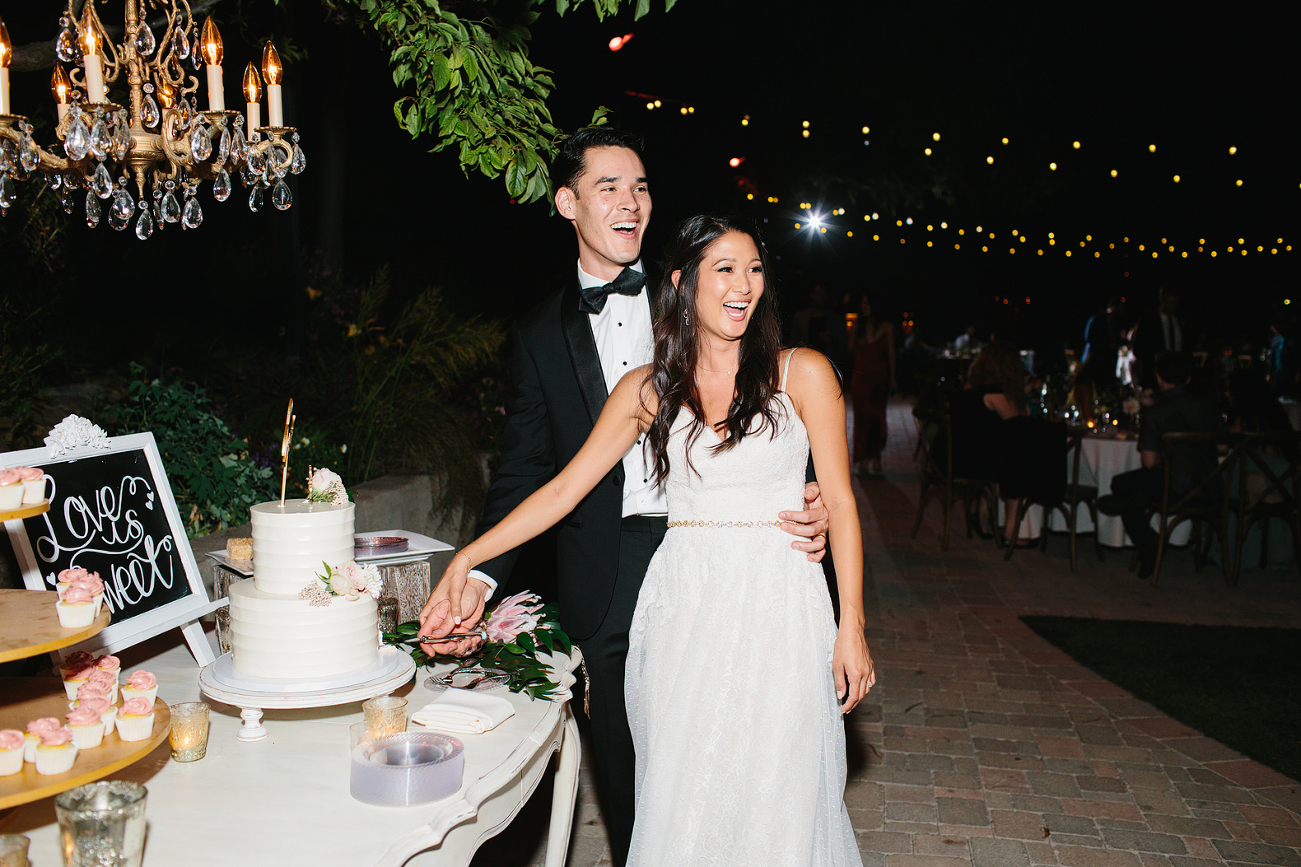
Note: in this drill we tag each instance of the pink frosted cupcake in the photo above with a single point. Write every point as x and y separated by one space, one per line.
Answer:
12 744
11 490
89 581
108 680
33 485
109 663
141 684
135 720
35 729
86 726
99 703
56 752
75 678
76 607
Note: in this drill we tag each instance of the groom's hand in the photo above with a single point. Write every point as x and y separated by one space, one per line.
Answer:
810 525
456 605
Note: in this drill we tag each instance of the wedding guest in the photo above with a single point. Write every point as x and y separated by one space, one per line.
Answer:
1102 333
1159 331
1177 408
994 393
967 340
872 345
567 355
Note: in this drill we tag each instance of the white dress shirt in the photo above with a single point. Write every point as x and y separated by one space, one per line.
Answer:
1174 338
624 341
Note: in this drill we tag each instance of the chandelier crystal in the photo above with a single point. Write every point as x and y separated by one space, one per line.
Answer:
161 145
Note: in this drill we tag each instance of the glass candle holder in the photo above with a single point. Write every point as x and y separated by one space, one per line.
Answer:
102 823
388 614
13 850
189 734
386 715
359 735
222 618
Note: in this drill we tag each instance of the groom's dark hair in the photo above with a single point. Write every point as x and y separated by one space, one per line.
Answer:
570 162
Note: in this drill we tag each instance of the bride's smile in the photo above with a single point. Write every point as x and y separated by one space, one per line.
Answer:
730 285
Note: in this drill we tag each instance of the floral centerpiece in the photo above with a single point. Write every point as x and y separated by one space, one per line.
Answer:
514 632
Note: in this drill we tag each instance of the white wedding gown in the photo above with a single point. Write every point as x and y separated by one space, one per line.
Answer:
731 699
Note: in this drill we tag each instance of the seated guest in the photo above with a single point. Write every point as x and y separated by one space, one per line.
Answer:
967 339
1177 409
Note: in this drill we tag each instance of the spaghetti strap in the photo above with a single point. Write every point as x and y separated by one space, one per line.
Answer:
786 369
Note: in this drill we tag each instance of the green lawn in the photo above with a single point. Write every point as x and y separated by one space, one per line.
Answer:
1238 685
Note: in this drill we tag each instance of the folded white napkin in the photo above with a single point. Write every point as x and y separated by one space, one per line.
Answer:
464 711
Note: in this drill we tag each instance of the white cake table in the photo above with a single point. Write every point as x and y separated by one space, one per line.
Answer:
284 799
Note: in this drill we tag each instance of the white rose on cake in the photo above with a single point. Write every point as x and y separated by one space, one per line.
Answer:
350 580
325 486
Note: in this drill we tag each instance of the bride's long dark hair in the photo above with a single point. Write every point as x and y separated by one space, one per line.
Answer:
677 345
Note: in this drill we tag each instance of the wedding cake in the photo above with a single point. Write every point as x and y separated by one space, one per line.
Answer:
309 611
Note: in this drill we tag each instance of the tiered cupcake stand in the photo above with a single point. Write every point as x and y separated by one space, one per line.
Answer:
29 626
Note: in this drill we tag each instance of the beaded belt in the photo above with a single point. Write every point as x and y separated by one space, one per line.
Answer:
725 523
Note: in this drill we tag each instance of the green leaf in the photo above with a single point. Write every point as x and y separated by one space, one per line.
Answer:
525 640
442 72
643 6
472 65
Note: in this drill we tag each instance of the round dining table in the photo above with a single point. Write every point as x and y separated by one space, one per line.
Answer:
1102 458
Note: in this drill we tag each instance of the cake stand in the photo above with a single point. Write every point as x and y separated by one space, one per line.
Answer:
253 700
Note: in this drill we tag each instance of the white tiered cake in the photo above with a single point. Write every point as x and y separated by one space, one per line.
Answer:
277 634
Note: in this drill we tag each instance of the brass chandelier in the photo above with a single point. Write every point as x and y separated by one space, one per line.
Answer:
160 143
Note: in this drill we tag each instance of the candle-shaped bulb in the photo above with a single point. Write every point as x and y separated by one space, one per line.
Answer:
89 38
210 43
252 84
60 85
166 93
271 68
6 47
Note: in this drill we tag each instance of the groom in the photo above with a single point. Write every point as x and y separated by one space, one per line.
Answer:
567 355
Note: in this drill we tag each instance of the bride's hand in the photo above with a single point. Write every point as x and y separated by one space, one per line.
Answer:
455 605
851 663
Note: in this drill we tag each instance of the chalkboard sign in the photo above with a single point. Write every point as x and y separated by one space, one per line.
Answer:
112 512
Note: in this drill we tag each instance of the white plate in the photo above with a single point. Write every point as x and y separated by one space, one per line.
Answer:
418 548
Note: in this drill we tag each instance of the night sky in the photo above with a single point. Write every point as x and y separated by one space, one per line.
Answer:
1115 78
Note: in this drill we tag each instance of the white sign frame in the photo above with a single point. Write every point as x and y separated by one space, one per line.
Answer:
183 613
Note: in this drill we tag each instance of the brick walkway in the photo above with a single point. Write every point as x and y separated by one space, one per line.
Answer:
984 745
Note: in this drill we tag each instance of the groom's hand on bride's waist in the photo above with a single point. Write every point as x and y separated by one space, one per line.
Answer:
809 525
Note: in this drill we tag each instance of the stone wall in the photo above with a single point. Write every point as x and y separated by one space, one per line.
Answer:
386 503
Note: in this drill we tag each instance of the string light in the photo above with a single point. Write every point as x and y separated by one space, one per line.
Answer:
1075 145
1176 179
935 136
866 130
1052 166
1113 173
928 152
989 160
745 121
1004 139
1151 148
1232 150
1238 182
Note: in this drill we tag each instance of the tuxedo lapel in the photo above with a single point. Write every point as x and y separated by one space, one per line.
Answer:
582 351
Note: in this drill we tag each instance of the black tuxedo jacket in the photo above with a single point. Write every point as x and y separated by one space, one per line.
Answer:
557 392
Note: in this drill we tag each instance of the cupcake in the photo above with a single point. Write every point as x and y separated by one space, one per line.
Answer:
99 703
33 737
109 663
56 752
75 678
76 607
79 659
33 485
11 491
135 720
141 684
79 577
12 744
106 679
86 726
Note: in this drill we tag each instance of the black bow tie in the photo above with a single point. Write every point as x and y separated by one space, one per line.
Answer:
629 282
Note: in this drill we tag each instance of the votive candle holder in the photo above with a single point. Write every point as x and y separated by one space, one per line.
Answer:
189 734
386 715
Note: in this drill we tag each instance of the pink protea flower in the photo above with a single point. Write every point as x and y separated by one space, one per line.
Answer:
512 616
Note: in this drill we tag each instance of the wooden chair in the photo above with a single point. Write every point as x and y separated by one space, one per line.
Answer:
1274 496
1207 502
1077 495
936 442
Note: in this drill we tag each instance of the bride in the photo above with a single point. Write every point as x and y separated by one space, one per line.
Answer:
737 674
